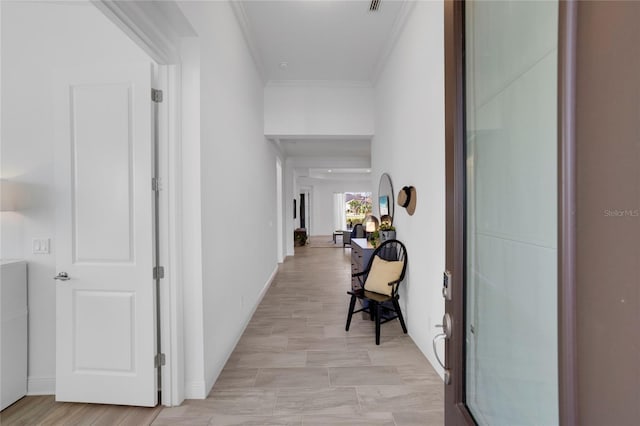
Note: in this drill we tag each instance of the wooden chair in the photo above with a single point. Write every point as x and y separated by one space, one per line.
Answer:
386 267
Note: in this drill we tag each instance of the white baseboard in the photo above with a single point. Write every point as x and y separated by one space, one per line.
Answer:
247 320
195 390
261 296
41 385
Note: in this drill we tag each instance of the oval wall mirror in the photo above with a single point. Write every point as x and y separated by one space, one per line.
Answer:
386 200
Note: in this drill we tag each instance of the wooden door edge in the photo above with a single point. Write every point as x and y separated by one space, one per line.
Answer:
456 412
567 345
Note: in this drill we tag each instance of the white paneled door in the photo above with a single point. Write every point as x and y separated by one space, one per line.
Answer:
105 297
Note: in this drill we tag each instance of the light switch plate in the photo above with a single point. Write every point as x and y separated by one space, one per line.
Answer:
41 245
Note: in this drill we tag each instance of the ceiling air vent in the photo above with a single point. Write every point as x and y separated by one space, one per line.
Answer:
375 4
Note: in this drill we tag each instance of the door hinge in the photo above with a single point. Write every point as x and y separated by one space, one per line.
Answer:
156 95
156 185
159 360
158 272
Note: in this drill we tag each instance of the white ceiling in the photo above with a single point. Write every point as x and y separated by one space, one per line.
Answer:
339 173
321 39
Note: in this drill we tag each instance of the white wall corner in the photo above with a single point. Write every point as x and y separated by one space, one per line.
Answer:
243 22
149 26
195 390
412 80
41 385
276 144
211 381
398 26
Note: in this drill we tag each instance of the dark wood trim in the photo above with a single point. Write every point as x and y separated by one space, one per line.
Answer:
456 412
567 343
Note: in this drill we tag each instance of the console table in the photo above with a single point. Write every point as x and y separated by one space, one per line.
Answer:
13 334
361 251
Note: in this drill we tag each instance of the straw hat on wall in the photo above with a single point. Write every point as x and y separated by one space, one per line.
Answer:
407 198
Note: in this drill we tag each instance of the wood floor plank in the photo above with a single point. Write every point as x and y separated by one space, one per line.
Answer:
295 365
35 409
112 415
136 416
66 414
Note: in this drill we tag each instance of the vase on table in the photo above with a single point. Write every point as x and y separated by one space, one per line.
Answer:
387 235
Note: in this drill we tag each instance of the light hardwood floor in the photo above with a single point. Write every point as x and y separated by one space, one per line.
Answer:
294 365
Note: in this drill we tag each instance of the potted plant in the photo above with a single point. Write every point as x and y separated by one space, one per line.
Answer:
300 237
375 239
387 232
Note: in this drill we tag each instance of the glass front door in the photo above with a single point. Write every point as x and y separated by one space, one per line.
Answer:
510 342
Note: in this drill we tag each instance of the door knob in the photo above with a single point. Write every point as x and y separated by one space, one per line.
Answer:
446 326
435 340
62 276
447 372
447 330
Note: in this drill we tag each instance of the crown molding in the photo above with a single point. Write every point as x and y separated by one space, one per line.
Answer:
396 32
249 38
319 83
147 24
281 137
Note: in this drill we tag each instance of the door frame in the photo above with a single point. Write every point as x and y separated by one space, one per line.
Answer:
162 43
456 411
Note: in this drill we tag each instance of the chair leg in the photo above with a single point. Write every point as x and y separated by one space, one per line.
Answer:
377 308
372 310
352 305
396 306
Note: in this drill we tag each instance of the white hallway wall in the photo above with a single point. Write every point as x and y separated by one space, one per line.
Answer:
318 109
37 38
238 181
315 109
409 145
193 307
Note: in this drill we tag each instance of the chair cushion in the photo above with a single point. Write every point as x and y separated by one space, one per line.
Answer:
381 274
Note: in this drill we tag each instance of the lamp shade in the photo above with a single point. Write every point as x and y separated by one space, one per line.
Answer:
370 223
8 196
371 227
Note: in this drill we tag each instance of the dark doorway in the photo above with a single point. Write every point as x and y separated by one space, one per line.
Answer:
303 212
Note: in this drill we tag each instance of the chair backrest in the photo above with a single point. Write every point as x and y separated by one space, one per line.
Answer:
358 231
391 250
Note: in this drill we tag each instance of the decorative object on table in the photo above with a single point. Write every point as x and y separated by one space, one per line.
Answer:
385 197
378 285
370 223
375 238
407 198
387 232
300 237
